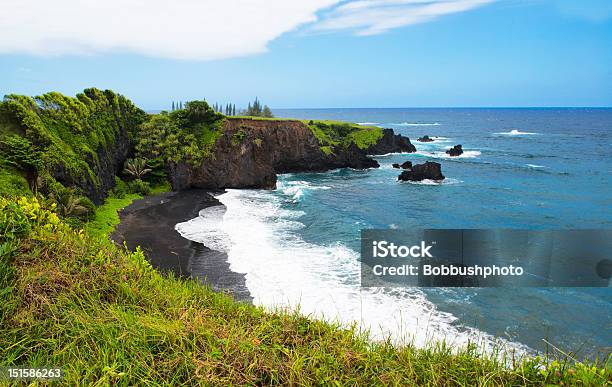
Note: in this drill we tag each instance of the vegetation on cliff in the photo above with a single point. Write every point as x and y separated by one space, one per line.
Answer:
102 313
337 133
187 134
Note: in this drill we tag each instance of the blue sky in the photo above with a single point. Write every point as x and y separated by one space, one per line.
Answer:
315 53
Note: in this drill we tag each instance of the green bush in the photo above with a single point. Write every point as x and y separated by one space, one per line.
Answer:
19 152
120 189
183 135
12 182
139 187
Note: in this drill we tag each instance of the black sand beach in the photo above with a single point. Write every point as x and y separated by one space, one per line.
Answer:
149 223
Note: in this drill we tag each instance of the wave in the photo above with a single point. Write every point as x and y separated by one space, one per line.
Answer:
515 132
283 271
297 189
206 229
467 154
535 166
447 181
416 124
392 154
368 123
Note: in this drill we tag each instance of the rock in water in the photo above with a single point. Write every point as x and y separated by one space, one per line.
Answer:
425 138
406 165
430 170
455 151
395 165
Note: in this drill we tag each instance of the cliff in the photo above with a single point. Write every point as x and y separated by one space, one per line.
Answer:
59 143
251 152
79 141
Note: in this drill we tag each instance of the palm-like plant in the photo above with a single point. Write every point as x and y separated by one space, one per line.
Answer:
136 168
69 204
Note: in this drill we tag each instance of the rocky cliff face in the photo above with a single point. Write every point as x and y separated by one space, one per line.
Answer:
251 152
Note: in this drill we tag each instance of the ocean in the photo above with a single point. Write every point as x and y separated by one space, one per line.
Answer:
298 245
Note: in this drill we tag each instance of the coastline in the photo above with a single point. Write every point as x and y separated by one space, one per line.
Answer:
149 223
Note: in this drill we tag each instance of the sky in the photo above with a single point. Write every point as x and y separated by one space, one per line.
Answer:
313 53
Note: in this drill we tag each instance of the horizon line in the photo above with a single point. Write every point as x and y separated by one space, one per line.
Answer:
433 107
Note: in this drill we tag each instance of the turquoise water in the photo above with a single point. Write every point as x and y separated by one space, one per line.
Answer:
523 168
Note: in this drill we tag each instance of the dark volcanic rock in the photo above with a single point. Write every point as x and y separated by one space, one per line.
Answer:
391 143
424 139
430 170
455 151
267 147
395 165
406 165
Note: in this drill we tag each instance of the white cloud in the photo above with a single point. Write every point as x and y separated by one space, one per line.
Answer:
178 29
371 17
195 29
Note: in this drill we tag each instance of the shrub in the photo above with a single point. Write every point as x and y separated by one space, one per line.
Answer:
136 168
19 152
139 187
120 188
12 182
238 137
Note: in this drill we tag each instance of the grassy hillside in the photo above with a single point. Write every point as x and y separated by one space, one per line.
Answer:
341 134
75 300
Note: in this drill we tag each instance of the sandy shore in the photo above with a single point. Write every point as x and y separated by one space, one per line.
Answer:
149 223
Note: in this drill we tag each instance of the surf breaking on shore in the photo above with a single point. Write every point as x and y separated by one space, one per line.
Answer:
284 271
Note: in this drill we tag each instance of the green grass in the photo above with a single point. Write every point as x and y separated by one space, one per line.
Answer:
107 216
331 134
161 188
102 313
12 182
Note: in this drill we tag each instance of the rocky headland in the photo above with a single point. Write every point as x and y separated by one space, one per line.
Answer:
251 152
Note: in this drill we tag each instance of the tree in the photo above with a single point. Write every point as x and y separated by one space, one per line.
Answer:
267 112
256 110
234 110
172 105
136 168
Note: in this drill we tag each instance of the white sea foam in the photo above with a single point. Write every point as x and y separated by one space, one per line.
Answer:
297 188
284 271
535 166
447 181
368 123
206 229
467 154
416 124
515 132
392 154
